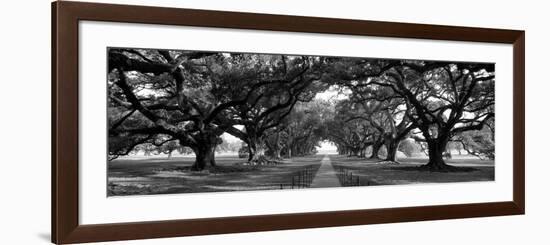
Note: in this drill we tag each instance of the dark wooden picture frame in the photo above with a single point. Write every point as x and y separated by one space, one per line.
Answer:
65 124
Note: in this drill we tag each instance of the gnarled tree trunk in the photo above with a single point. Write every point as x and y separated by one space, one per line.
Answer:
256 150
375 148
436 148
257 154
204 156
391 149
362 152
276 147
205 151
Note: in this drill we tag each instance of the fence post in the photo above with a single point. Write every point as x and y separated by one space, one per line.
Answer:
310 176
305 178
306 173
302 179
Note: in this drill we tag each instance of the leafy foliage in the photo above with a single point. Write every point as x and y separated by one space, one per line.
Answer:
169 100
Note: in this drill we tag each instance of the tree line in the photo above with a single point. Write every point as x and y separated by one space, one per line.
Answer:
188 98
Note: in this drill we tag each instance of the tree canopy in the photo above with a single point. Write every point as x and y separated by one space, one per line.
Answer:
171 100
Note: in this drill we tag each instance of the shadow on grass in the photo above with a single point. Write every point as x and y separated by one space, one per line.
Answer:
423 168
218 169
141 177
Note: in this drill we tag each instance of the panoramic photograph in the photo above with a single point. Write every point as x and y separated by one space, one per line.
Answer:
185 121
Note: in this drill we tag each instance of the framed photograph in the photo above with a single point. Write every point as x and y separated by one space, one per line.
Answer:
175 122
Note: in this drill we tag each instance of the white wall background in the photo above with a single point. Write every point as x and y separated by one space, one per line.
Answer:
25 122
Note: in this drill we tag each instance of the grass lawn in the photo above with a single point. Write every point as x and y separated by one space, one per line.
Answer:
406 172
150 175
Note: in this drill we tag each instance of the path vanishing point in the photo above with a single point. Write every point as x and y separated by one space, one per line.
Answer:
326 175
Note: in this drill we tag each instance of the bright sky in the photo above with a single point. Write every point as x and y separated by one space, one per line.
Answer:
326 147
331 94
230 138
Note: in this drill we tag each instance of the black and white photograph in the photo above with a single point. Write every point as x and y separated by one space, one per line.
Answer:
275 122
191 121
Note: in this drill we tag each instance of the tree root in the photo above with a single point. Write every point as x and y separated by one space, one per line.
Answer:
262 161
444 168
386 162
